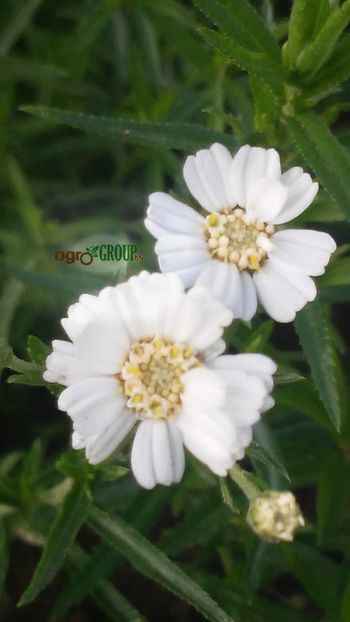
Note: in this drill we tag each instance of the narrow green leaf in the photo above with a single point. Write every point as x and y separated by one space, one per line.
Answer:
65 527
185 137
18 24
315 335
249 60
333 496
306 19
324 154
321 47
239 21
335 71
256 452
85 578
267 104
154 564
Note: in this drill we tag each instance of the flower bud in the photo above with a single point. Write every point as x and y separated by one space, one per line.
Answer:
275 516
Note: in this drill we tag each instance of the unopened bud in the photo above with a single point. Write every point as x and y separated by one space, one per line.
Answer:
275 516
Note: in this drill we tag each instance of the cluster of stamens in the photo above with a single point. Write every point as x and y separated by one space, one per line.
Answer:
233 238
151 376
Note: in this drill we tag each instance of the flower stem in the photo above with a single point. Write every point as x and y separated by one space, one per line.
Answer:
244 482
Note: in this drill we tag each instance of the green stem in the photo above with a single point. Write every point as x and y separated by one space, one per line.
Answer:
243 481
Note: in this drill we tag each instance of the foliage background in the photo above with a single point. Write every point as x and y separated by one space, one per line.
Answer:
178 75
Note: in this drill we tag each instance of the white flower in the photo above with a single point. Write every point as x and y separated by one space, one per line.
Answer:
147 353
237 250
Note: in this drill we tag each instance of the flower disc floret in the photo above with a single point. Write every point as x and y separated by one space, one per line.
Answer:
151 376
234 238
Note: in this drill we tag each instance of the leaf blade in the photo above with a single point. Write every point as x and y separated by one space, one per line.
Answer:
325 155
184 137
62 532
315 336
153 563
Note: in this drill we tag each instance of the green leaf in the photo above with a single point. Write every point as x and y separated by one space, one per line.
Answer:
249 60
154 564
345 605
256 452
321 47
98 565
64 528
335 71
315 335
241 24
267 105
37 350
306 19
333 496
14 29
183 136
324 154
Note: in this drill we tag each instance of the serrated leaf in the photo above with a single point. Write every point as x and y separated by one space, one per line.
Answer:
315 336
72 514
249 60
185 137
153 563
324 154
321 47
239 21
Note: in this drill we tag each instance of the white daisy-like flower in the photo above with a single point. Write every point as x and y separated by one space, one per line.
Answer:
239 249
146 352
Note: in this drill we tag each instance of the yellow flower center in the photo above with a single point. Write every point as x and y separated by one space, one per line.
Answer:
233 238
151 376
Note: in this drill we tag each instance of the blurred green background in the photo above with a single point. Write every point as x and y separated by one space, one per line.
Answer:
144 61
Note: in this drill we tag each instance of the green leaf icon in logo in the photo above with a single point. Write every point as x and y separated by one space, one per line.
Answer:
93 250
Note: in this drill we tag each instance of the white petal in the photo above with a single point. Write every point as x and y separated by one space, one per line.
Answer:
210 437
167 452
157 455
102 346
207 177
78 442
224 161
301 193
92 404
146 300
142 456
199 320
245 393
265 199
217 348
203 388
303 283
303 251
253 364
166 216
234 289
278 296
249 165
179 253
98 449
